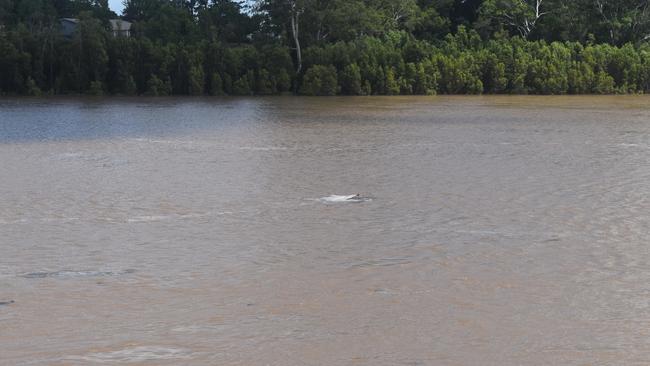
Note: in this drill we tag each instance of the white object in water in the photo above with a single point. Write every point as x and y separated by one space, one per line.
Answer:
346 198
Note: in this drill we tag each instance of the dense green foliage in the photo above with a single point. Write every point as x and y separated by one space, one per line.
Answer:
327 47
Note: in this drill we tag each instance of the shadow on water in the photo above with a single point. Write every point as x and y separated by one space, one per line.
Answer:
86 118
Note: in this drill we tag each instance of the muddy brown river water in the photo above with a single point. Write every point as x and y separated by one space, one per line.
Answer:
493 231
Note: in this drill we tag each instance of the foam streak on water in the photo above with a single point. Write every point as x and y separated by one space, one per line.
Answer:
492 231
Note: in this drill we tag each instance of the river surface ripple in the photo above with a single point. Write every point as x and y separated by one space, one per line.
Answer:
488 231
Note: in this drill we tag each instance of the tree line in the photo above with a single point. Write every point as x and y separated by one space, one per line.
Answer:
327 47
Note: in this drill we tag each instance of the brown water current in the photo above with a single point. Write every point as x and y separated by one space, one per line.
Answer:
493 231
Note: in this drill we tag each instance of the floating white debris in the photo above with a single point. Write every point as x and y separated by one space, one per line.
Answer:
352 198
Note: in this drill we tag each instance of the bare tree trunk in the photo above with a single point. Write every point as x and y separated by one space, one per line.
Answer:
295 30
640 18
600 5
526 26
530 25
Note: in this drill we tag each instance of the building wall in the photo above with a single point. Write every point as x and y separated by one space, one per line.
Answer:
68 28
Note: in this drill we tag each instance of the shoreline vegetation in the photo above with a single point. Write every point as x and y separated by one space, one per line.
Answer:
326 47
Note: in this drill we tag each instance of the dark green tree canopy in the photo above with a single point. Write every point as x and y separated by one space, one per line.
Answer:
326 47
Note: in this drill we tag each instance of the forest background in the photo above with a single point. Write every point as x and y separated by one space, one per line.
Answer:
327 47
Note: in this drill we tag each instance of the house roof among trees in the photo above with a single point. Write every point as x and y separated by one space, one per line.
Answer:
120 25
